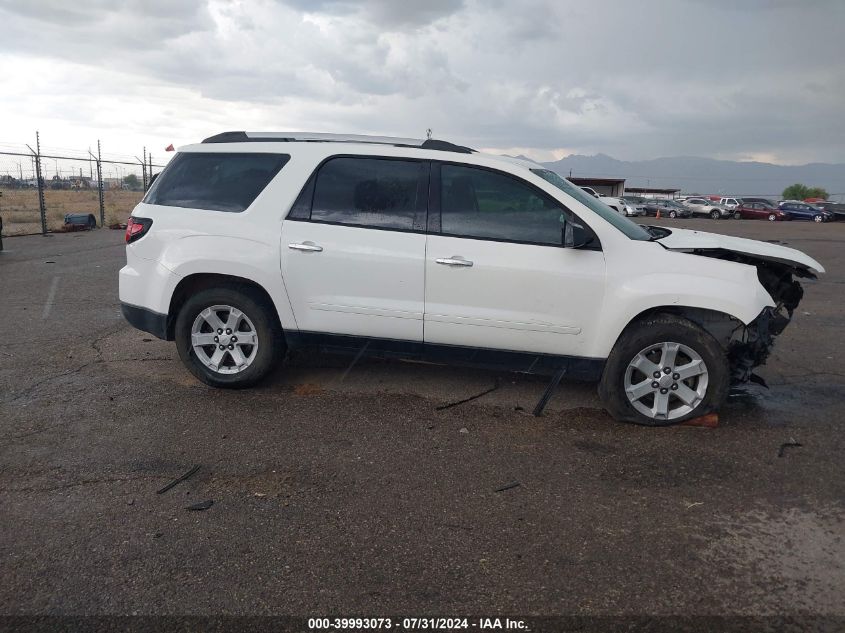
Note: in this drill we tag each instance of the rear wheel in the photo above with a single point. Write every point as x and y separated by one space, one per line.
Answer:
228 337
664 370
714 214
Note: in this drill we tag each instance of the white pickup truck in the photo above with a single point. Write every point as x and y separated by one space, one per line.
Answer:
617 204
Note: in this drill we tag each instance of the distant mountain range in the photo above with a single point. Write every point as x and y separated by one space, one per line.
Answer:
706 175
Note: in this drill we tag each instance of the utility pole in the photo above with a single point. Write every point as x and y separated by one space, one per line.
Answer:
98 158
36 157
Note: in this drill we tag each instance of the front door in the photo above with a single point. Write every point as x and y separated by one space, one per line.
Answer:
497 275
353 249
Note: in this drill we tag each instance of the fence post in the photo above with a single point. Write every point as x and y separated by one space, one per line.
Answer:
100 186
144 167
42 207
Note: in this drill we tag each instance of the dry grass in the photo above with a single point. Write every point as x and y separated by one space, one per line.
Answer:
19 208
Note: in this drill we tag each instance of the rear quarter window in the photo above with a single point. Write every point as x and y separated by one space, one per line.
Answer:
227 182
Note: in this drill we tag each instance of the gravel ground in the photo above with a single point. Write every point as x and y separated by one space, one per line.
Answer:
353 494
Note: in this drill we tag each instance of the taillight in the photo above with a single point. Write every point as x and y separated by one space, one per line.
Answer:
137 228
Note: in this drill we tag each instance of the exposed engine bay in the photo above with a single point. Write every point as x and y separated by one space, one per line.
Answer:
749 345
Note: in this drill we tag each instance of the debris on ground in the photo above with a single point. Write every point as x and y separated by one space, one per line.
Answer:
463 429
790 444
202 505
549 392
758 380
512 484
471 398
709 421
179 480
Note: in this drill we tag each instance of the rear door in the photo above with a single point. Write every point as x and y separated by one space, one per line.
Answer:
497 275
353 249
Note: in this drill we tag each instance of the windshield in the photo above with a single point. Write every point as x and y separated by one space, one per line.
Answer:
632 230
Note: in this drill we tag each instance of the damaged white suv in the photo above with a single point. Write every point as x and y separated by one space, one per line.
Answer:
251 244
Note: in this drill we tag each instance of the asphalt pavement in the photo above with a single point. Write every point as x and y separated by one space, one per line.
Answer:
355 492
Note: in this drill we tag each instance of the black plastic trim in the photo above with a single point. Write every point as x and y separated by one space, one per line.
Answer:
242 137
146 320
578 368
445 146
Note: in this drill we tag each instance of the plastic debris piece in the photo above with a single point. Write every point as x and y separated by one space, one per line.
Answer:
179 480
202 505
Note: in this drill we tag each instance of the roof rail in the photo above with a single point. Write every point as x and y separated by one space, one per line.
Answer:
315 137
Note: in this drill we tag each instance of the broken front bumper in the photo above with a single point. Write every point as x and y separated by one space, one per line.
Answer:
753 348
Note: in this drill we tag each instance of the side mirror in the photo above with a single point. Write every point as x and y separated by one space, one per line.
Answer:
574 235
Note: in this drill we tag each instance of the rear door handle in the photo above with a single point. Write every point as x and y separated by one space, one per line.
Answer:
454 260
306 246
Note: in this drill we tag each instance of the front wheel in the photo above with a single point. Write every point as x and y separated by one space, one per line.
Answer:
772 217
673 214
737 215
664 370
228 337
714 215
818 218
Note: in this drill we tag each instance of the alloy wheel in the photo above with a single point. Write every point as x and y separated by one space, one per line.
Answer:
666 381
224 339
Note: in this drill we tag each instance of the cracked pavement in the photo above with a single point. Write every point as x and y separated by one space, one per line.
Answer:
359 492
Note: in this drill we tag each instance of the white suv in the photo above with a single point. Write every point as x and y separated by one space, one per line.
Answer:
250 244
703 206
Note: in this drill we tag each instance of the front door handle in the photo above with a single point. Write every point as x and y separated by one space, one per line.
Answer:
454 260
306 246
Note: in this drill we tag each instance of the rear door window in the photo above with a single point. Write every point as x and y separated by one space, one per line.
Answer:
371 192
215 181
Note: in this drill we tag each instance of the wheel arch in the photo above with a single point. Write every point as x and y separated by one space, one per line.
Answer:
196 282
720 325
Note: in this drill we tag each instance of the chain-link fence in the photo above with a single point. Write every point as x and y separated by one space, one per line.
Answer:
41 186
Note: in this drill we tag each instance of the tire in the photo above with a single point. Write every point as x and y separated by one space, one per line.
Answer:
673 214
772 217
737 215
715 215
818 218
709 389
257 318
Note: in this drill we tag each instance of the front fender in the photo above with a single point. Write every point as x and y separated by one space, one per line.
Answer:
722 286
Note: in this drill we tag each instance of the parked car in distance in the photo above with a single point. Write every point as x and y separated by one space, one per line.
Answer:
730 203
760 211
766 201
836 208
803 211
632 209
708 208
668 208
617 204
249 245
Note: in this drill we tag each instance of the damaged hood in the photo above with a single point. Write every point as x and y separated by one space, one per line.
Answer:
688 241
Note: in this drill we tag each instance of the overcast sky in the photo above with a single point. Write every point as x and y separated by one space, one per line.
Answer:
737 79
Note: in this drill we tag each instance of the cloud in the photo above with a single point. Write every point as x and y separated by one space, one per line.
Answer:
634 80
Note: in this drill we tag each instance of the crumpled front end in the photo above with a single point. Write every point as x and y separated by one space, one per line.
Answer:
751 346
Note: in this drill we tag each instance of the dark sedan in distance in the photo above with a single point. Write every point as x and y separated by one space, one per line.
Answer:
804 211
760 211
668 208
